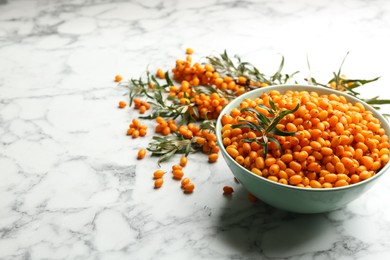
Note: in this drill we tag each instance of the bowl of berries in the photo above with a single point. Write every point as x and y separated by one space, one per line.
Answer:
304 149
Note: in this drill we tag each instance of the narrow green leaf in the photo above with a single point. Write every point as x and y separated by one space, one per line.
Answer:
168 79
265 147
259 116
249 140
275 141
196 111
276 120
247 124
277 131
378 101
188 149
272 104
166 156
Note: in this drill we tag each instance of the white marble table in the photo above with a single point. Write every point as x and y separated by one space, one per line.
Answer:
71 187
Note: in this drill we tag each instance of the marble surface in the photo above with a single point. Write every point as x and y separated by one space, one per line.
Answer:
71 187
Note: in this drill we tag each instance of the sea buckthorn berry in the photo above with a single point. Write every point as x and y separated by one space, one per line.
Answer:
142 109
367 162
130 131
176 167
315 184
160 74
183 161
158 183
189 187
184 182
142 132
122 104
269 161
135 133
341 183
295 179
286 158
166 130
227 190
213 157
118 78
189 51
178 174
232 152
273 178
141 153
295 166
158 174
257 171
274 169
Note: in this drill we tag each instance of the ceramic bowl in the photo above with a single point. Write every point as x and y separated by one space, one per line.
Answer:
291 198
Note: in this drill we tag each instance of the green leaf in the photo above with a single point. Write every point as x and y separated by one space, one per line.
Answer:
166 156
272 104
247 124
188 149
168 79
249 140
358 82
196 111
275 141
277 131
376 101
265 147
276 120
259 116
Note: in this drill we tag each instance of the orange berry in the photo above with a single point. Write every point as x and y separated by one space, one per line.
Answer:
122 104
142 132
295 179
141 153
213 157
158 174
160 74
189 51
166 130
189 187
178 174
135 133
185 181
227 190
176 167
183 161
142 109
118 78
158 183
130 131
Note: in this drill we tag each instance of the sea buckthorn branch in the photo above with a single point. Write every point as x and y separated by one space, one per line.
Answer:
225 65
167 146
341 83
266 126
208 125
209 89
204 89
163 108
139 88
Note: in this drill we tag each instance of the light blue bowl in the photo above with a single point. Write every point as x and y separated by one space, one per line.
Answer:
291 198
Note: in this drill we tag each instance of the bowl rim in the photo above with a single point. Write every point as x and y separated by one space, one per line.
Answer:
300 87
